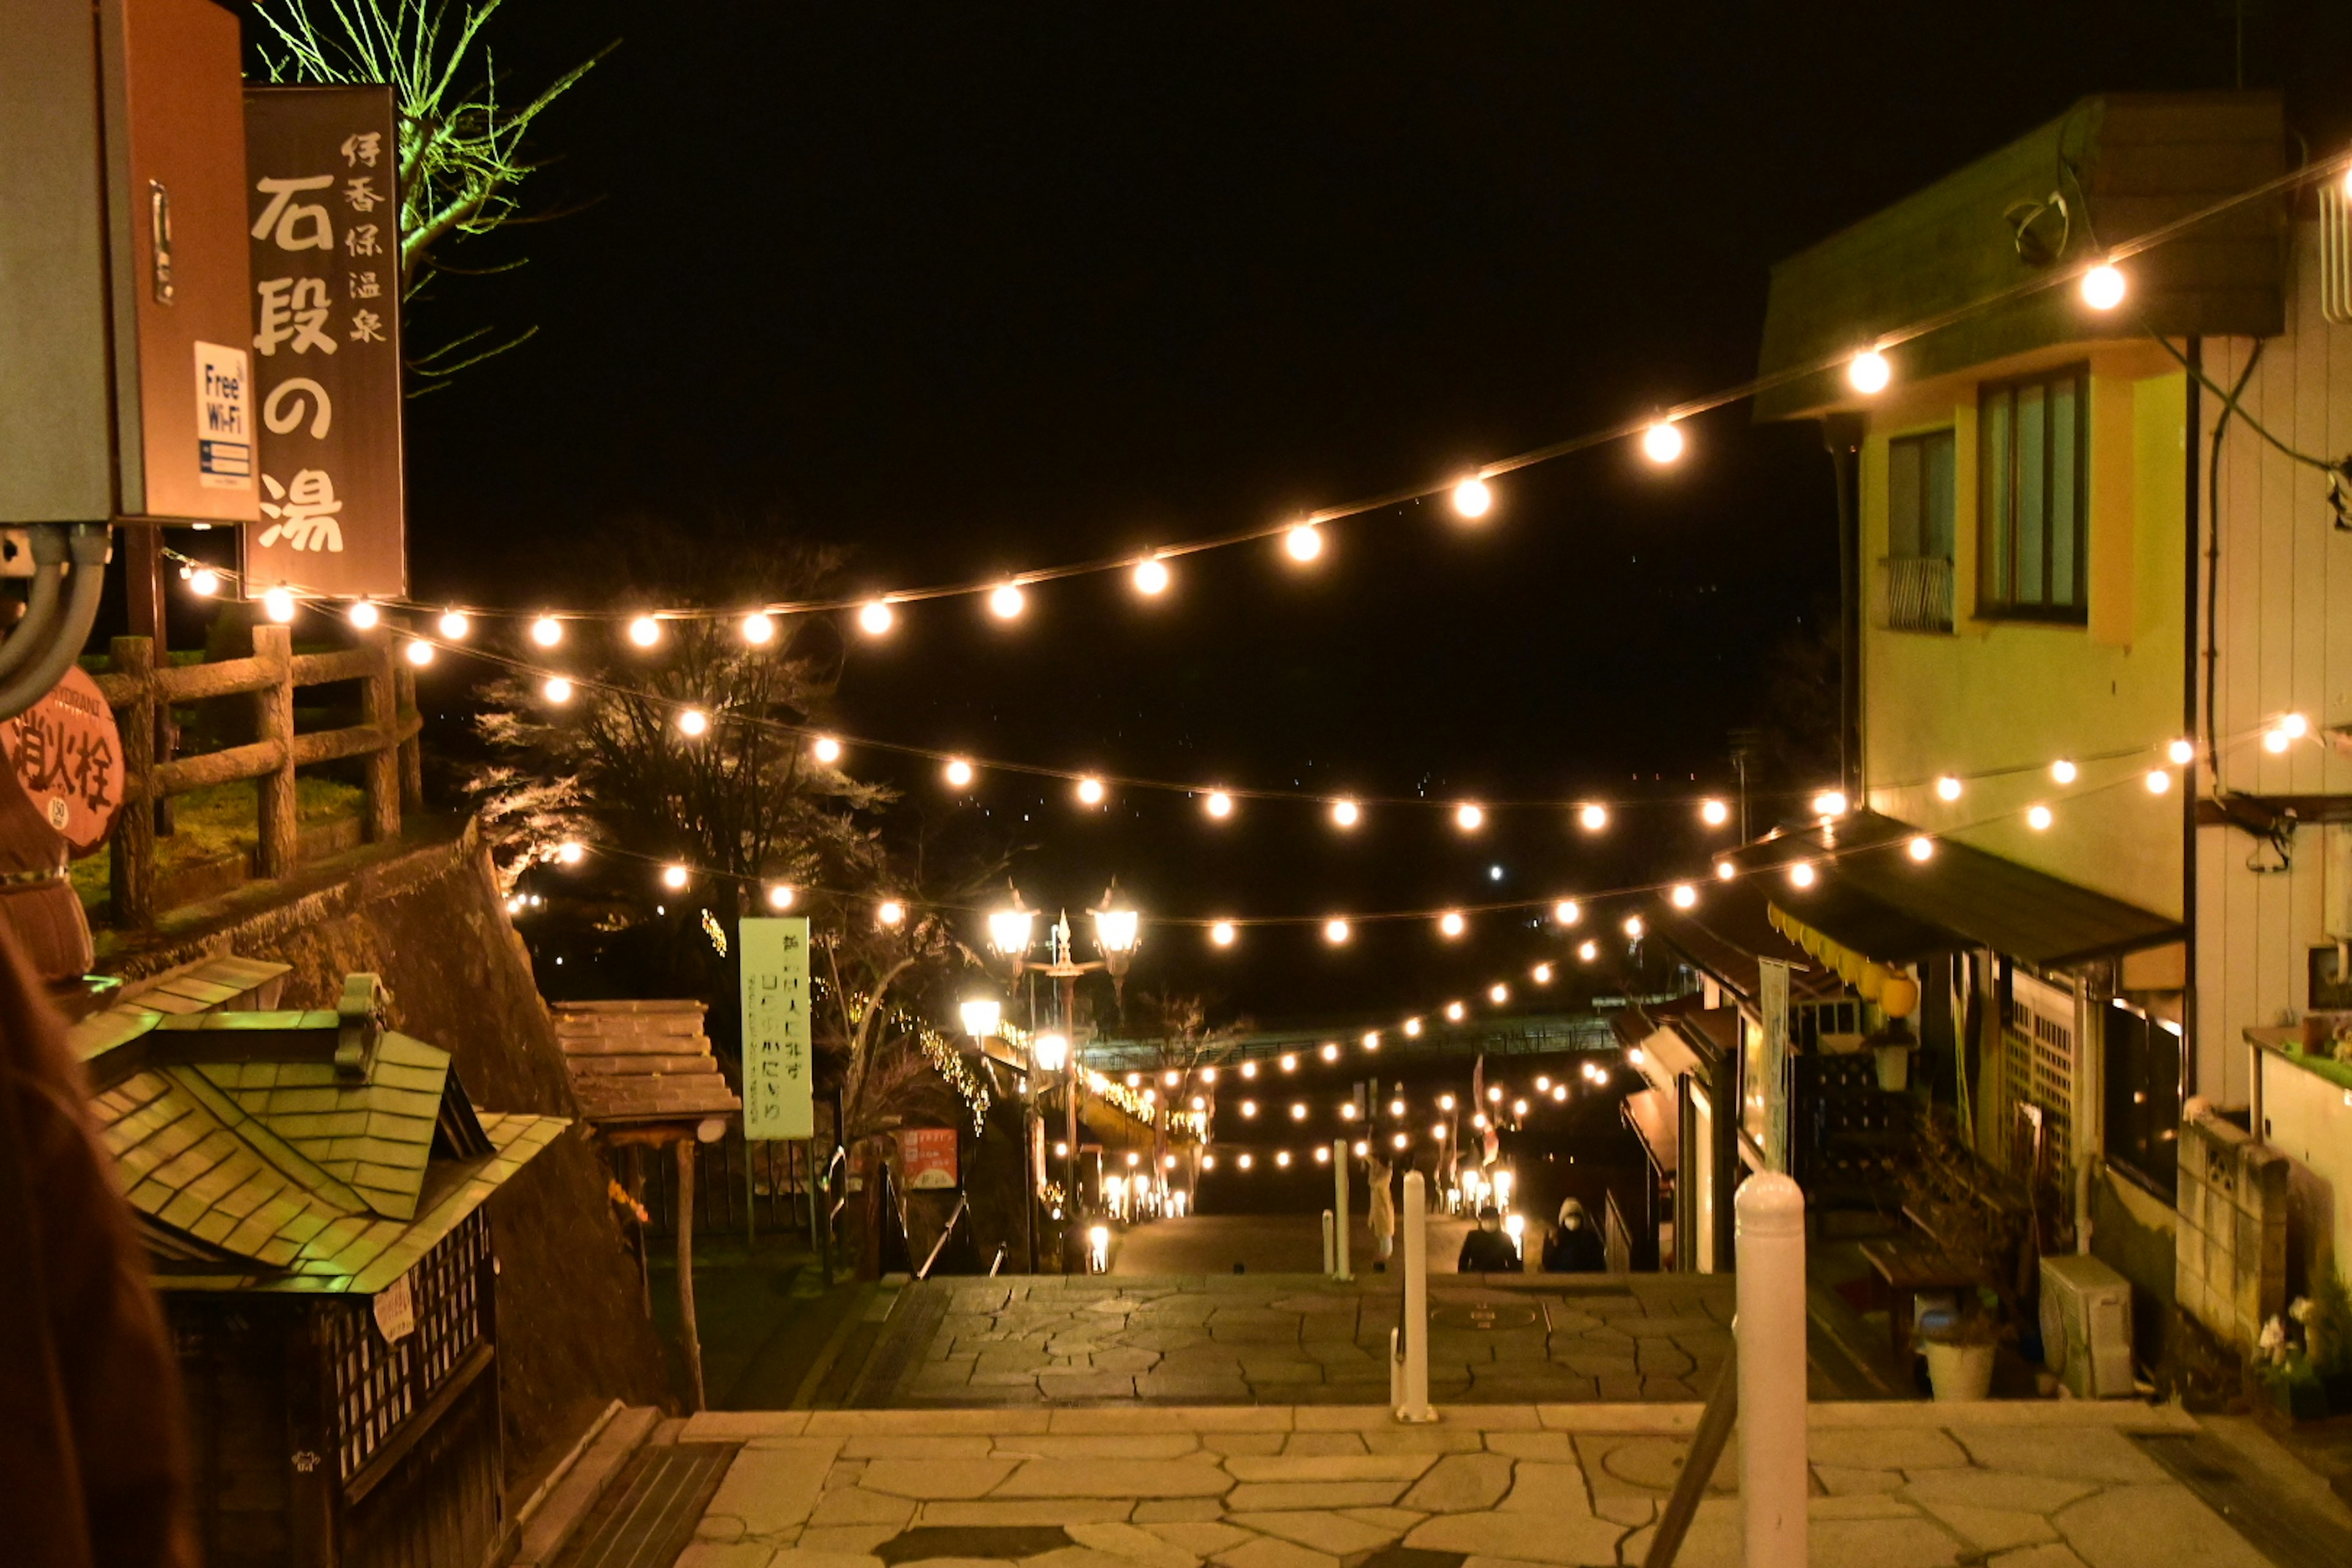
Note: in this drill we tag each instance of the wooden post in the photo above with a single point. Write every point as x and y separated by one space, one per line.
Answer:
276 818
412 750
380 712
686 1272
132 875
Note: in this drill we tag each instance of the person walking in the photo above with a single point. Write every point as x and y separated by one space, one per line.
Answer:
1380 1212
1486 1251
1574 1246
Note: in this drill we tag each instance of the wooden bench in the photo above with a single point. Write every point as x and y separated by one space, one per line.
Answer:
1908 1267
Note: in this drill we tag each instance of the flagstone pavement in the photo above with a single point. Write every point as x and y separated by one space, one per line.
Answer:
1894 1486
1300 1339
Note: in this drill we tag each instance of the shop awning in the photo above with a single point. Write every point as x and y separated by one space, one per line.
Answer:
1651 1114
1870 895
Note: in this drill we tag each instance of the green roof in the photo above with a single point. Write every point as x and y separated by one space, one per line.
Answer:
295 1174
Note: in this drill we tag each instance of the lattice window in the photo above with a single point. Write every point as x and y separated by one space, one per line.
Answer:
378 1385
2038 1057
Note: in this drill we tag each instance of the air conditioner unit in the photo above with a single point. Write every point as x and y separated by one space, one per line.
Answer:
2087 1327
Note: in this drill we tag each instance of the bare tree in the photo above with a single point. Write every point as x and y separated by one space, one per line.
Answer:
462 158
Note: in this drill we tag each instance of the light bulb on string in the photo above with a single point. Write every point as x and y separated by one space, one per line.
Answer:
455 625
1714 812
1335 932
1151 577
780 896
1682 896
890 912
420 653
1829 803
1222 933
278 603
2158 781
1413 1027
1499 994
1725 870
1473 499
2104 286
1662 443
645 631
675 878
2038 818
1948 788
1329 1051
758 628
2294 726
1588 950
1303 542
2182 752
875 618
1634 928
1091 791
1922 848
1218 804
1469 818
694 723
2063 771
1007 602
1567 912
547 631
1371 1040
364 614
1801 874
1541 974
1452 924
825 749
1868 372
959 773
557 690
1455 1012
204 583
2276 742
569 852
1592 817
1345 813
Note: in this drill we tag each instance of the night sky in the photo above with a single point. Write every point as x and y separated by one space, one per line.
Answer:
981 288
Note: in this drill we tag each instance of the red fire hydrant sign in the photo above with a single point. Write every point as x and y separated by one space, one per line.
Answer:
67 753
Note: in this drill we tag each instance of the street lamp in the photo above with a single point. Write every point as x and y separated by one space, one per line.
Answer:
1009 932
1051 1051
983 1017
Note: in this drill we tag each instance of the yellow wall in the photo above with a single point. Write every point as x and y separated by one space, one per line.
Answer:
2009 694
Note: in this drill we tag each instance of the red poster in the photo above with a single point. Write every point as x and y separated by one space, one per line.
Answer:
927 1158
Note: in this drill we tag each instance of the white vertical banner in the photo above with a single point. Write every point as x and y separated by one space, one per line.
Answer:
778 1063
1772 1002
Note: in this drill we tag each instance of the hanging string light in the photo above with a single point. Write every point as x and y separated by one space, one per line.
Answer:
1469 818
1221 934
2104 286
205 582
1662 443
2038 818
890 912
278 603
780 896
1007 602
1151 577
1218 804
959 773
2063 771
364 614
1473 499
1090 791
1682 896
1567 912
419 654
875 618
1922 848
547 631
1714 812
1868 372
694 723
645 631
675 877
557 690
758 628
1452 924
1345 813
1335 932
825 749
1948 788
2158 781
1592 817
1303 542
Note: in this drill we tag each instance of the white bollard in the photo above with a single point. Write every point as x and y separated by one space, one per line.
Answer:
1411 1403
1339 1184
1771 1328
1328 1259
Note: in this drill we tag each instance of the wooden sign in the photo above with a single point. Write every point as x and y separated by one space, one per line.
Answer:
778 1064
927 1155
67 753
320 165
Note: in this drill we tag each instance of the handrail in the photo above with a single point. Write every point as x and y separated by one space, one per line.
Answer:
139 692
998 1261
964 1206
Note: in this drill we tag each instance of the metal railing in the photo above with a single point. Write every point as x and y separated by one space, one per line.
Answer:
1918 593
385 737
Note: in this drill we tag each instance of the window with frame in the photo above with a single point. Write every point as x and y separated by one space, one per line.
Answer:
2143 1065
1921 496
2032 497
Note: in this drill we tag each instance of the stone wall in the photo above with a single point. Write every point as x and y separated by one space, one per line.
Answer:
2230 1263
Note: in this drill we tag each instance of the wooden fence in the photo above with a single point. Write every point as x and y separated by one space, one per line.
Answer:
385 737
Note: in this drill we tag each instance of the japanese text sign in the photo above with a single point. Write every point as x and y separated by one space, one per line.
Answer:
778 1064
325 235
67 754
927 1155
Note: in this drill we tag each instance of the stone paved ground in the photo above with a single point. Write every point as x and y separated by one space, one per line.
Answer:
1299 1339
1894 1486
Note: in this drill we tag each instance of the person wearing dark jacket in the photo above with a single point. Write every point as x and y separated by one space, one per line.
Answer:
1574 1247
1486 1251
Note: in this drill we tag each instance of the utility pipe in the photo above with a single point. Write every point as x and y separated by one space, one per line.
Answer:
45 665
32 633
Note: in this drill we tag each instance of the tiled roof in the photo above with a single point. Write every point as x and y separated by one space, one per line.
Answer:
296 1175
642 1061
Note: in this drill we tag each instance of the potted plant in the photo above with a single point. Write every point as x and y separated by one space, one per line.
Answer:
1960 1345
